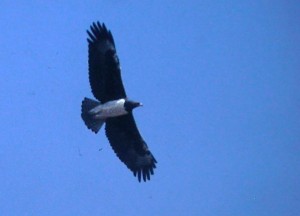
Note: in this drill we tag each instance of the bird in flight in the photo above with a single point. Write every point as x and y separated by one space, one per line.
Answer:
112 106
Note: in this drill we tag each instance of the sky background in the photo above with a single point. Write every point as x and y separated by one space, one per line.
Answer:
220 84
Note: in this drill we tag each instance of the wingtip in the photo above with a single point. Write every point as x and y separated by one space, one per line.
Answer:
98 31
144 174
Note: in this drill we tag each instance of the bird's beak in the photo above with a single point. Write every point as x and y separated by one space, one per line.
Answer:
140 104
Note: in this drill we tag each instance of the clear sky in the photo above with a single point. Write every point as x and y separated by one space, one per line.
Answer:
220 84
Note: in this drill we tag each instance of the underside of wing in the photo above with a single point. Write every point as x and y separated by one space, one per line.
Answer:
104 66
129 146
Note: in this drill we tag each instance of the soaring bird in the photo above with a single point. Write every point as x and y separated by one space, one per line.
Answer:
112 106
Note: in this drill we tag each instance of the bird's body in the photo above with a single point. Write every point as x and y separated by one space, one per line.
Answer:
109 109
114 108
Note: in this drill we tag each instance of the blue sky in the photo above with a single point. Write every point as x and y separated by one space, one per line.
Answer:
221 94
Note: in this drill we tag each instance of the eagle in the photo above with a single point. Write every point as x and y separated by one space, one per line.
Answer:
112 106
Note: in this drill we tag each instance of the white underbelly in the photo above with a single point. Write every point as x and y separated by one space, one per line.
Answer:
112 112
109 109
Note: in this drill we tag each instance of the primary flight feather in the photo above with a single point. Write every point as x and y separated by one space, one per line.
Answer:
113 108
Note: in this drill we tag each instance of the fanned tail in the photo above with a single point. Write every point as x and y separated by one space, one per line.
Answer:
90 121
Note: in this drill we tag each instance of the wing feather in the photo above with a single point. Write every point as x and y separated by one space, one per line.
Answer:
129 146
104 66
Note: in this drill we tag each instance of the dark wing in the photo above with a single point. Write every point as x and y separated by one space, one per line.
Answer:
104 66
129 146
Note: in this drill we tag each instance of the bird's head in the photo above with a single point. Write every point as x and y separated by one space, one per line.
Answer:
130 105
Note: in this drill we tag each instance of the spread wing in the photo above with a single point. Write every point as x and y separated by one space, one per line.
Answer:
129 146
104 66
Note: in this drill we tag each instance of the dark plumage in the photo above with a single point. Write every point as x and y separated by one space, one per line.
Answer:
107 87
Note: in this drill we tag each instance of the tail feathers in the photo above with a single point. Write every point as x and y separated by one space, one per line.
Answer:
88 118
88 104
